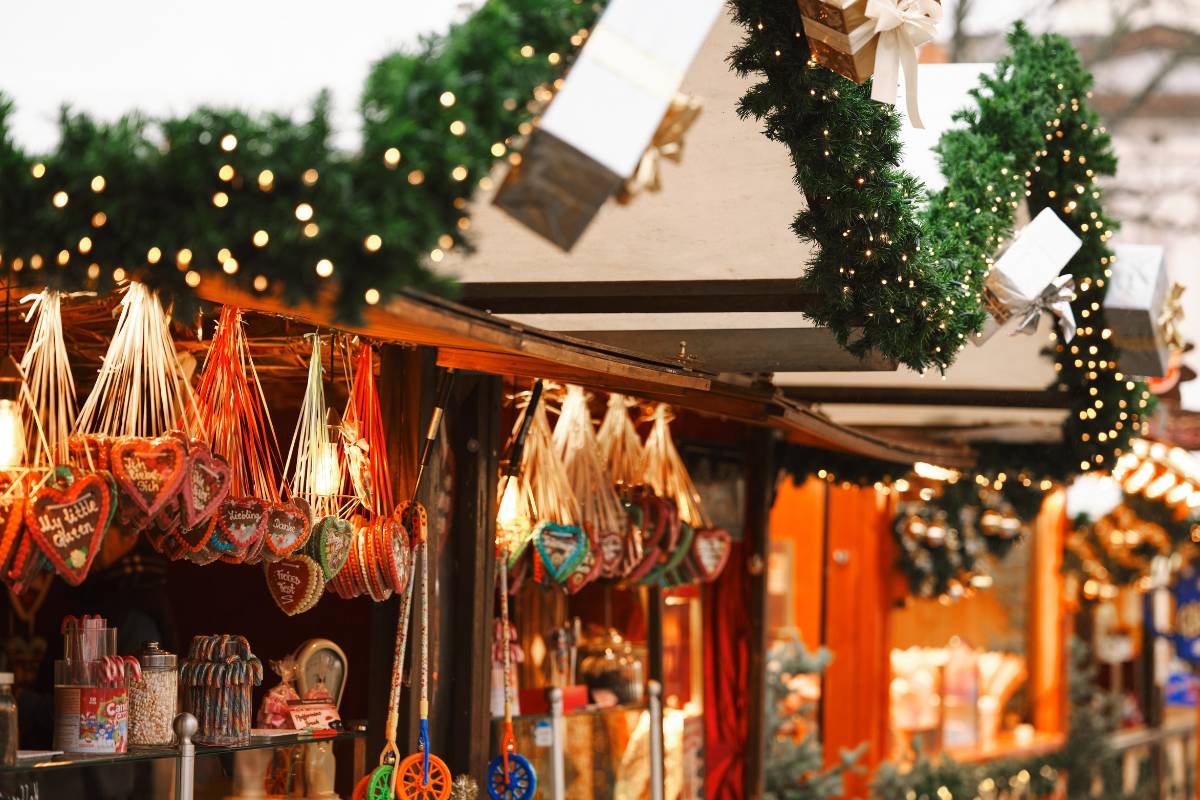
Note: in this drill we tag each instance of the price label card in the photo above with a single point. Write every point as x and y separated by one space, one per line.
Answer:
317 715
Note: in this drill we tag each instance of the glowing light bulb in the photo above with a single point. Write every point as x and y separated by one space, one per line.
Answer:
509 516
326 474
12 436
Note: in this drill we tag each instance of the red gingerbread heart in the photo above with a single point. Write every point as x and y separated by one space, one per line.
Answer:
149 472
710 551
67 524
12 513
242 520
295 583
205 486
288 527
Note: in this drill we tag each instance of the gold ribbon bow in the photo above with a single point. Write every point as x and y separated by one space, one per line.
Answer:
666 144
1170 321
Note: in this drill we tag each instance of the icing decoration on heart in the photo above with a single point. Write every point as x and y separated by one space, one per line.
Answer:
288 526
12 514
149 472
610 545
296 583
242 520
330 542
196 539
560 548
26 563
633 545
68 522
710 551
587 571
205 486
397 556
665 573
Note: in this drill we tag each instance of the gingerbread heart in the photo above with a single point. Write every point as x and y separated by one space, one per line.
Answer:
68 523
397 557
243 520
710 551
287 529
149 472
206 485
587 570
559 548
330 542
196 539
12 513
295 583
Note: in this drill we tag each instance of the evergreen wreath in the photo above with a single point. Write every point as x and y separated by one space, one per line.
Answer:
265 200
899 270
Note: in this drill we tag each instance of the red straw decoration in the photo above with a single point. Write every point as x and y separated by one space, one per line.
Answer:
363 440
234 412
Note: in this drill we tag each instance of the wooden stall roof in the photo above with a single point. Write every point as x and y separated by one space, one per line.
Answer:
470 339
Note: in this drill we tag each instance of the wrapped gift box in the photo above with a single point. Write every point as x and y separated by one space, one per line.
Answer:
592 137
841 15
1035 257
848 53
1134 306
841 36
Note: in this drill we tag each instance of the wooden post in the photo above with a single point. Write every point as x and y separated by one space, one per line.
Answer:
760 486
475 439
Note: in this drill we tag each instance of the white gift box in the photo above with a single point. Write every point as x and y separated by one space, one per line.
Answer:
1133 307
1034 258
596 129
945 90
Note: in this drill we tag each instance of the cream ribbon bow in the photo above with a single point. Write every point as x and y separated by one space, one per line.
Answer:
902 26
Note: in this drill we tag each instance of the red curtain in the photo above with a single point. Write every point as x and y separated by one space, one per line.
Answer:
726 632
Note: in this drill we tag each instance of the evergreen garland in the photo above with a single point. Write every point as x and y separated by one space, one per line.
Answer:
170 201
900 271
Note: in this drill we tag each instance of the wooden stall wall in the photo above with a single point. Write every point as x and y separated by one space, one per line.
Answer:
859 568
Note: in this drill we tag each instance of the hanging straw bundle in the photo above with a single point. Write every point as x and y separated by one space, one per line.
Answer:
600 509
317 470
47 371
542 491
234 411
142 390
620 446
662 470
364 444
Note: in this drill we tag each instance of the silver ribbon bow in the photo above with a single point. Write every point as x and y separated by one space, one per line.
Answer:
1055 299
902 27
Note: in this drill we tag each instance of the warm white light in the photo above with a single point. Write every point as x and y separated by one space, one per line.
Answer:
933 472
326 473
12 436
1160 486
509 516
1138 480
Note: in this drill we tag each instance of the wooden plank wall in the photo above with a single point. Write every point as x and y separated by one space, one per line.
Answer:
858 595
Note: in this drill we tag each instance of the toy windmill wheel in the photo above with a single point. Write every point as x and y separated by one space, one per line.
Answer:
511 778
421 778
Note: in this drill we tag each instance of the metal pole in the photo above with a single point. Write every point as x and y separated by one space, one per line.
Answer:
657 788
558 776
185 727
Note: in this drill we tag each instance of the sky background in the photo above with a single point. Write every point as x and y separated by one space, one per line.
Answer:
166 56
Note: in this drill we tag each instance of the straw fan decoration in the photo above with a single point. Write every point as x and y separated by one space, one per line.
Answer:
234 412
620 445
538 510
702 550
601 513
378 560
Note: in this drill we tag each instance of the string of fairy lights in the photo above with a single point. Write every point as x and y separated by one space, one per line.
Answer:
289 227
